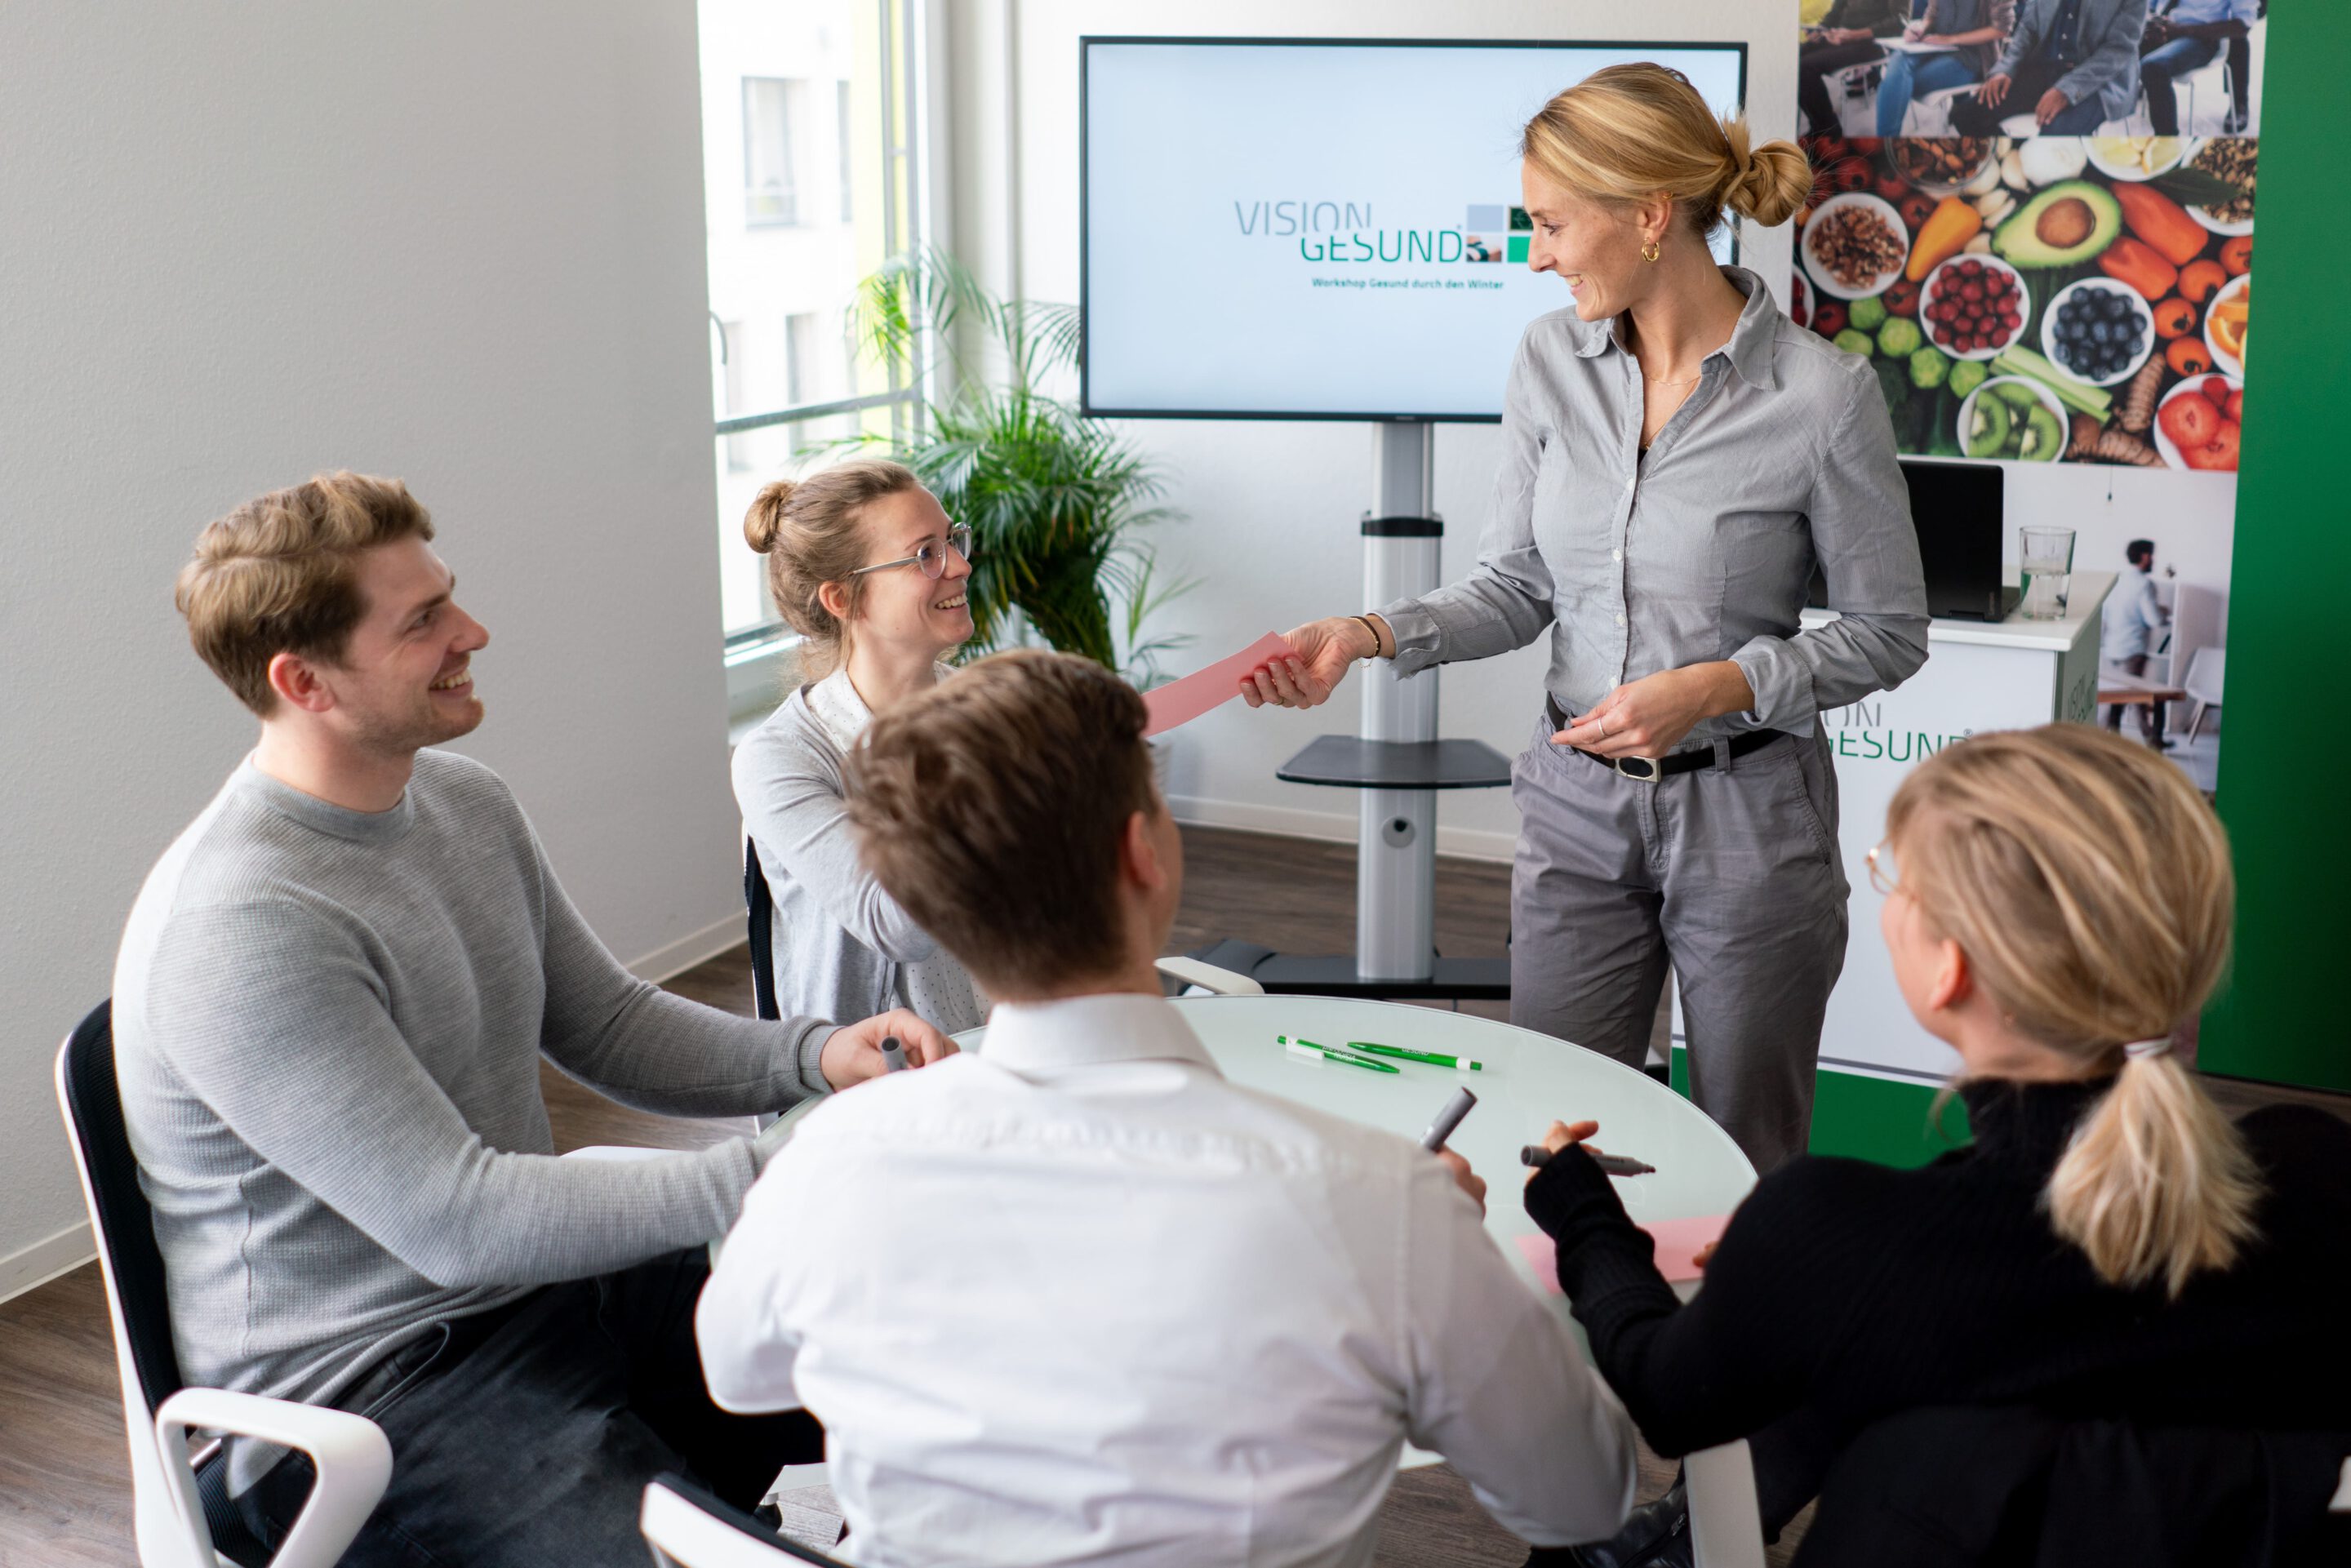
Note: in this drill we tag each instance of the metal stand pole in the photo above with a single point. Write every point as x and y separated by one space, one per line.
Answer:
1395 866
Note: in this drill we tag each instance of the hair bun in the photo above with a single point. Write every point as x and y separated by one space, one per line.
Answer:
765 520
1766 183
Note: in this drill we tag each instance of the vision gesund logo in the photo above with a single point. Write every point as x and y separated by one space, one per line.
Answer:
1345 232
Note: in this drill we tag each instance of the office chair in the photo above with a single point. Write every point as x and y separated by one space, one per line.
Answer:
184 1518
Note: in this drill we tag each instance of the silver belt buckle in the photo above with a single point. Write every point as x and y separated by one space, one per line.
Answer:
1650 772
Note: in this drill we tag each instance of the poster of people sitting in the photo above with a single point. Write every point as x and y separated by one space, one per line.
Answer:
2035 219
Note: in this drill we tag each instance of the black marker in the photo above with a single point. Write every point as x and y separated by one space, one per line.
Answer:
1535 1155
1460 1106
894 1055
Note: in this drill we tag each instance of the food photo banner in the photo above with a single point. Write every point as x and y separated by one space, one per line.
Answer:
2044 299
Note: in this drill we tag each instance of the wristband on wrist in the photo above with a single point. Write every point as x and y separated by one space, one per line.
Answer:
1373 628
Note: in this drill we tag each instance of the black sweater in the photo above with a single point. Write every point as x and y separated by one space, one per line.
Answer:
1844 1291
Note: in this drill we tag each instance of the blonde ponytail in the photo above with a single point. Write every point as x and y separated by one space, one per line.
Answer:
2089 885
2156 1185
1630 133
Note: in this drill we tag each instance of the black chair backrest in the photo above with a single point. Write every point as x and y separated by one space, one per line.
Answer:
762 906
743 1523
126 1224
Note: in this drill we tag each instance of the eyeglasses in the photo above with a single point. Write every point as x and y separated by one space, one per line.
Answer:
932 558
1883 874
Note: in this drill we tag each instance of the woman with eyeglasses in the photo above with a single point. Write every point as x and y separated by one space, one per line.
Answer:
2110 1247
869 570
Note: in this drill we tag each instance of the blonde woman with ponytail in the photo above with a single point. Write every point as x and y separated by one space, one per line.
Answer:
1677 459
2058 905
867 568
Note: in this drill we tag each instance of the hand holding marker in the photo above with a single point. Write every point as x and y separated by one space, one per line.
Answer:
1460 1106
894 1055
1538 1155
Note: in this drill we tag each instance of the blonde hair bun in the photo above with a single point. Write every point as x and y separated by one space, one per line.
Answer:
1767 184
1629 133
812 533
765 520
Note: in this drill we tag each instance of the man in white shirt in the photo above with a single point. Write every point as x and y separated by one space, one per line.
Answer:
2127 626
1076 1298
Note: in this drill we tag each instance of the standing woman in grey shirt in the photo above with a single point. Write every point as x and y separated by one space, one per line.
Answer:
1678 457
867 569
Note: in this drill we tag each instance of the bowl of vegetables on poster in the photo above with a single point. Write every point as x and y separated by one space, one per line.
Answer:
2106 279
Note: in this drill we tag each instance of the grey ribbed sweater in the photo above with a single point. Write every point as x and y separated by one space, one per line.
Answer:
328 1025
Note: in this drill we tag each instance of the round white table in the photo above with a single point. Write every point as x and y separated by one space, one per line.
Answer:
1529 1081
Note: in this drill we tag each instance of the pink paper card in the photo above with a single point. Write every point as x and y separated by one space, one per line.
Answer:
1678 1242
1181 702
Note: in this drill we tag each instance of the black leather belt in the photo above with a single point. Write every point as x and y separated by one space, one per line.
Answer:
1649 769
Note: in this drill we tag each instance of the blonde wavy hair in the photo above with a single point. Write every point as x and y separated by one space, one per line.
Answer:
2089 885
1629 133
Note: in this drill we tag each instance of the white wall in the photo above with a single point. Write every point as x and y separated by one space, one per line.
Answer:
458 243
1273 506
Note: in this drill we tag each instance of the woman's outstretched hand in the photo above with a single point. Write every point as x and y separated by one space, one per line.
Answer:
1320 653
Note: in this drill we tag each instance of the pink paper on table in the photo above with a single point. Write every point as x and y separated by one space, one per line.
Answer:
1678 1240
1181 702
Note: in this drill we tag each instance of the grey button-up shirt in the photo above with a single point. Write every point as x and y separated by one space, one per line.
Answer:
1702 549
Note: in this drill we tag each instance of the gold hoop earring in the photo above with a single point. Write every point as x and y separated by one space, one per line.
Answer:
1649 251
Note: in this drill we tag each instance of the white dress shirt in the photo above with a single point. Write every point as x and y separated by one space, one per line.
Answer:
1076 1299
2129 617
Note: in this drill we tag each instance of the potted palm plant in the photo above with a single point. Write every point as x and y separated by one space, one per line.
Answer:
1058 504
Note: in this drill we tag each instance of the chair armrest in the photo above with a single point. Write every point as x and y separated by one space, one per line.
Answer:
1209 978
349 1453
1725 1521
616 1151
2341 1502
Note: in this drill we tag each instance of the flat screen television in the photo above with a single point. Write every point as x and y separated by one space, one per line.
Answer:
1320 228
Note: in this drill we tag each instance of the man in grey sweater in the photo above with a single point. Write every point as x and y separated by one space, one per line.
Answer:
330 1006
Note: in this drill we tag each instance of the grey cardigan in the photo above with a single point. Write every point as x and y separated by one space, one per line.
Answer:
2109 70
841 943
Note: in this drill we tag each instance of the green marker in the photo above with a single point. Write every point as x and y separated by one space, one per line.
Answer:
1307 1048
1434 1059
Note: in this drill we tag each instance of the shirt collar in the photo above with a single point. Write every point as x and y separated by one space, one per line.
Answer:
1750 347
1090 1031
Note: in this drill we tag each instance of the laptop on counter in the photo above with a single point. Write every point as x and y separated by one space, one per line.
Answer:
1957 509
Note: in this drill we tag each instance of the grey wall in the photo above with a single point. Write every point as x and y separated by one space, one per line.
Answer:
241 242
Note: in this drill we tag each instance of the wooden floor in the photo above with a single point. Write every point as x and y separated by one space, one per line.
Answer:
65 1496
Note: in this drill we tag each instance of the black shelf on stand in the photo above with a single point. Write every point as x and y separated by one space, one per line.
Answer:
1350 762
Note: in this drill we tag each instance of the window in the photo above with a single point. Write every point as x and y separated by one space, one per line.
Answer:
795 93
848 206
771 138
800 370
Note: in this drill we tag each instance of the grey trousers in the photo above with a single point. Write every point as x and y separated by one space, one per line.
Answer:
1731 873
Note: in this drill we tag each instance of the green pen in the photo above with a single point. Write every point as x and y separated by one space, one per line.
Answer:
1434 1059
1307 1048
